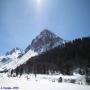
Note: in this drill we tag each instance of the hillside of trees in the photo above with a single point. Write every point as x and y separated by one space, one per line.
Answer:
65 59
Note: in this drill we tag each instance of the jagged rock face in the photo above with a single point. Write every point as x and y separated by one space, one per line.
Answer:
10 56
13 54
15 50
44 41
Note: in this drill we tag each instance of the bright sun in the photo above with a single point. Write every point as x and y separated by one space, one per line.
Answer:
39 1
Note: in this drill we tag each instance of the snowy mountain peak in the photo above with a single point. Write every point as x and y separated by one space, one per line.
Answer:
15 50
46 32
10 56
44 41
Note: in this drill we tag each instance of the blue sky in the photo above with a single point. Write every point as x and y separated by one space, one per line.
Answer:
22 20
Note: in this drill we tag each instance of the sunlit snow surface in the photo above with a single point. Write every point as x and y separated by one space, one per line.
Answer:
19 61
41 82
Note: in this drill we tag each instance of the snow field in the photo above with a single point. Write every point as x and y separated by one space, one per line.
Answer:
41 82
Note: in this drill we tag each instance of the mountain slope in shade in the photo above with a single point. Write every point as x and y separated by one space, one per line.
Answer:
46 40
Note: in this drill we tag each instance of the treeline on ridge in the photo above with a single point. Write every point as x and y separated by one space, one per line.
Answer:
65 59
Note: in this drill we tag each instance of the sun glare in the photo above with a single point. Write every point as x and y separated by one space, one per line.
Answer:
39 2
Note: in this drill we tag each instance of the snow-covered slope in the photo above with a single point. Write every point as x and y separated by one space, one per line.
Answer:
46 40
10 56
25 57
18 61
